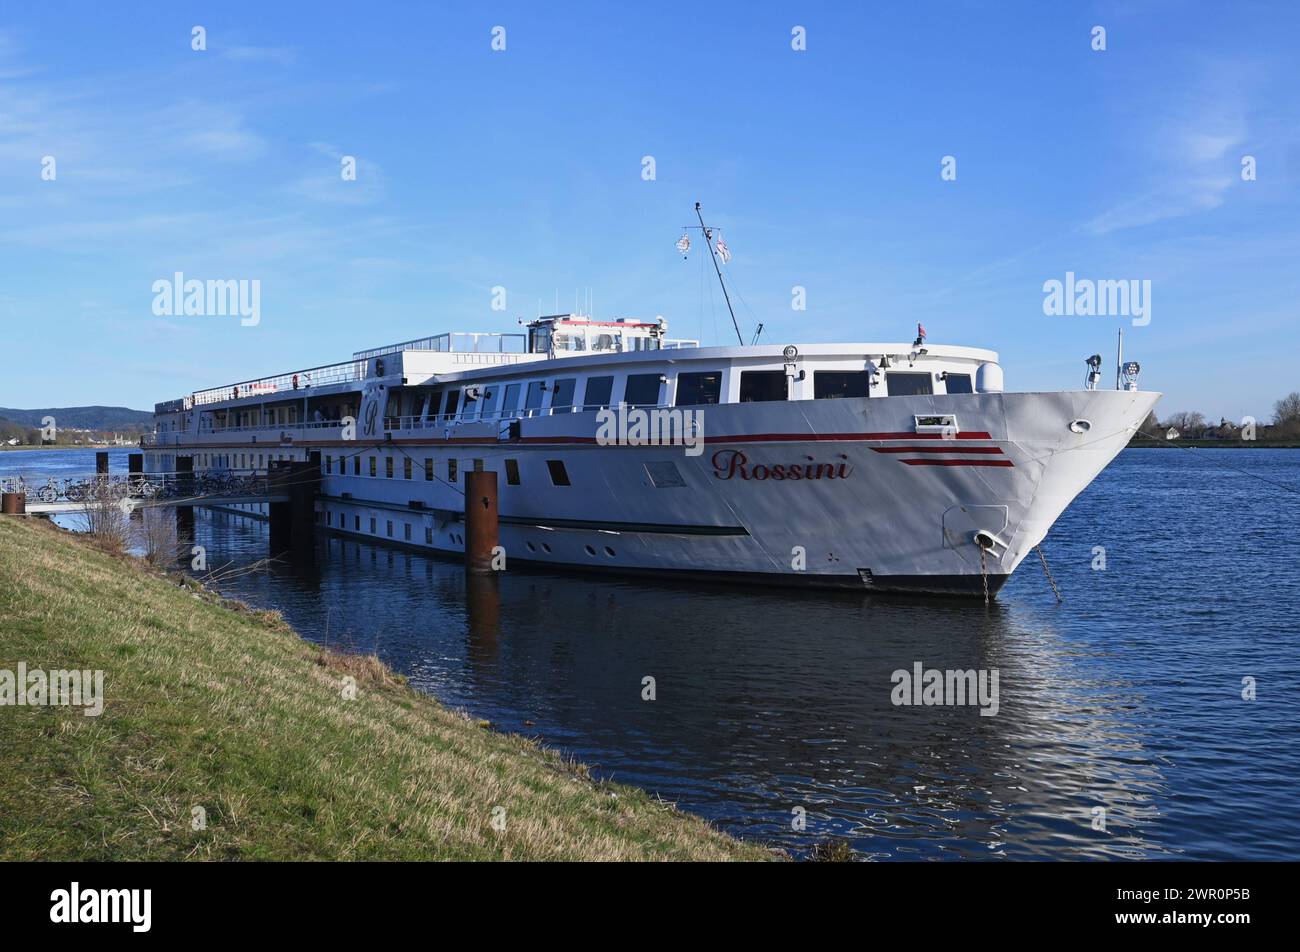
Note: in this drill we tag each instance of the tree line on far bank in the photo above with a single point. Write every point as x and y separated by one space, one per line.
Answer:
1192 425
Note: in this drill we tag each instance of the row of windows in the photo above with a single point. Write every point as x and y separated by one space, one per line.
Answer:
695 388
555 467
237 460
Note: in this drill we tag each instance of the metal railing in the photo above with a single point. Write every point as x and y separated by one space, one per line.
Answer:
455 342
96 488
289 383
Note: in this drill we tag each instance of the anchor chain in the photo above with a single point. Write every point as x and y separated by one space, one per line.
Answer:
1055 591
984 573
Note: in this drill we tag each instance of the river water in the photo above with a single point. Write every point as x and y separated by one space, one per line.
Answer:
1121 729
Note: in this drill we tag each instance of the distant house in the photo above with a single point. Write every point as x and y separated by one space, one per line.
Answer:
12 442
1172 433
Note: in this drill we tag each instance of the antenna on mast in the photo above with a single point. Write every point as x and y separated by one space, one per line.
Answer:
708 240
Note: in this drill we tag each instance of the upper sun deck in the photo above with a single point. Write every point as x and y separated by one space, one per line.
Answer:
550 337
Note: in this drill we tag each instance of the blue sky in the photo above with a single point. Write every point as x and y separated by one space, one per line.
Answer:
523 169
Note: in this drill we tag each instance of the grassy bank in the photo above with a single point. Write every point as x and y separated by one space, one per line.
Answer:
214 706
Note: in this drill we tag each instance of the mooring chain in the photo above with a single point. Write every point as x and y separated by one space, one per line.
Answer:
984 573
1055 591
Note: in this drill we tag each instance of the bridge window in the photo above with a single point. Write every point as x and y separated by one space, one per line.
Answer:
562 398
642 390
559 475
453 401
491 394
510 403
903 384
760 386
958 383
512 472
841 384
599 390
699 388
534 398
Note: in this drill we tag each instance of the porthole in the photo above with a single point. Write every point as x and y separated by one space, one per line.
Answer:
590 550
531 547
546 548
609 552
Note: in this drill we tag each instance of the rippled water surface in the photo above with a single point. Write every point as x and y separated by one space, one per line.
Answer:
1126 697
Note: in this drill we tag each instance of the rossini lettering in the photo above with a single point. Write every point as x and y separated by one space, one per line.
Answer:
729 463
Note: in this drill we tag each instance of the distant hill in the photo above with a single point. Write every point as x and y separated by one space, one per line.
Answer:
83 418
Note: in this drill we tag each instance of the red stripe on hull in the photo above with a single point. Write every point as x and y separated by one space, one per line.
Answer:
986 450
957 462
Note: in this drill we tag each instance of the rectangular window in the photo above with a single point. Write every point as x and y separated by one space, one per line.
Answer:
329 464
841 384
903 384
388 467
428 470
329 518
512 472
406 467
428 535
510 403
562 398
390 528
478 465
559 475
642 390
599 390
356 523
356 466
534 399
453 401
491 394
406 531
374 466
372 525
760 386
451 470
699 388
958 383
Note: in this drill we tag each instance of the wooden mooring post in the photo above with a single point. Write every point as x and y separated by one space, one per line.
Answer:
481 521
13 504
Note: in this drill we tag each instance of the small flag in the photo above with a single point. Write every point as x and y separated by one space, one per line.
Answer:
920 330
684 244
723 251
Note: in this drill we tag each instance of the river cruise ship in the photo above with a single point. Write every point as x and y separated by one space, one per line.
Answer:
870 466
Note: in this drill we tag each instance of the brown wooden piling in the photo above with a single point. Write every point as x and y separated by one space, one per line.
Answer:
13 504
481 521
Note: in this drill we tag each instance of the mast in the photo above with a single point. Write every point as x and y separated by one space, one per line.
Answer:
708 240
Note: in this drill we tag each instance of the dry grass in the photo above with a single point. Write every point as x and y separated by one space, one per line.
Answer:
223 708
